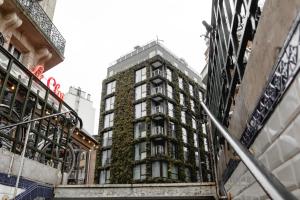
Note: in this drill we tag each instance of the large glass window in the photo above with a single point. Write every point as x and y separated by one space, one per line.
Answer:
140 110
181 98
140 92
191 88
174 151
110 87
183 117
196 143
140 151
174 172
197 158
139 130
205 144
185 154
170 109
139 172
170 91
106 155
158 148
107 139
159 169
194 125
180 82
109 120
169 74
193 105
184 135
187 174
109 103
140 75
172 129
104 176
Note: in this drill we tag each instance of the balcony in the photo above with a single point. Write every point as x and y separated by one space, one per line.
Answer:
44 23
157 93
157 111
158 130
157 76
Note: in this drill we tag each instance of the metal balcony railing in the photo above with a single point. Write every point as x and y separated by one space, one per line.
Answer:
157 110
157 90
41 19
158 130
157 72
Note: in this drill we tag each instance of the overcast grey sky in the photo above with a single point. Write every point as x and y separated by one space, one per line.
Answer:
100 31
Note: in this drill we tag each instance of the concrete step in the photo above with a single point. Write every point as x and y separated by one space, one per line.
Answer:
138 191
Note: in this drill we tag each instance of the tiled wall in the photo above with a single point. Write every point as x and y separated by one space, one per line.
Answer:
277 147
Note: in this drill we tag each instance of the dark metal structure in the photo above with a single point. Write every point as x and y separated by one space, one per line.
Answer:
38 15
234 24
23 97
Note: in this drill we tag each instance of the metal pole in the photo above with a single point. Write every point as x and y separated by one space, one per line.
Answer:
32 120
270 184
22 158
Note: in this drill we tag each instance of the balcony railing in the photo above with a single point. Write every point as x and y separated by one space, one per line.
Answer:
157 110
157 90
41 19
157 72
158 130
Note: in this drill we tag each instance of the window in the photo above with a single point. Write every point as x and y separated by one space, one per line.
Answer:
194 125
140 92
185 154
203 129
140 75
196 143
109 103
191 90
139 130
181 98
170 91
183 117
158 148
205 144
180 82
169 74
184 135
170 109
107 139
159 169
193 105
174 172
187 174
15 52
140 151
200 96
109 120
104 176
140 110
110 87
106 155
174 151
139 172
197 158
172 130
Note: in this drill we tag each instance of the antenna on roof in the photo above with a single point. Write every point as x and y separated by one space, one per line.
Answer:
158 40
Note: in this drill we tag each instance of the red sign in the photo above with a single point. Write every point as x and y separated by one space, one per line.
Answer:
38 71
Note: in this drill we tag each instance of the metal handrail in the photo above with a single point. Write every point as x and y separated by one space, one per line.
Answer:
270 184
33 120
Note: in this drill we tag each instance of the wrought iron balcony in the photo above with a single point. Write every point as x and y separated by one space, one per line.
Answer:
41 19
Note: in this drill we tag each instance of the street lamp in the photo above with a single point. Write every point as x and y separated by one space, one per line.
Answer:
201 121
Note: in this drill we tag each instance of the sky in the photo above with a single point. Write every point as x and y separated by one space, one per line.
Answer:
98 32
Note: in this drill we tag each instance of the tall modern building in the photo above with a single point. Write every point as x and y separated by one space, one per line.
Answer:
151 127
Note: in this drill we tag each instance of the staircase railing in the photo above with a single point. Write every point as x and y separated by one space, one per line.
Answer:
269 183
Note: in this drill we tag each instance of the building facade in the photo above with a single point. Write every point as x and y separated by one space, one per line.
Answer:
151 129
81 102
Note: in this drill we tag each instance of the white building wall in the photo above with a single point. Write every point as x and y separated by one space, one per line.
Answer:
83 107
